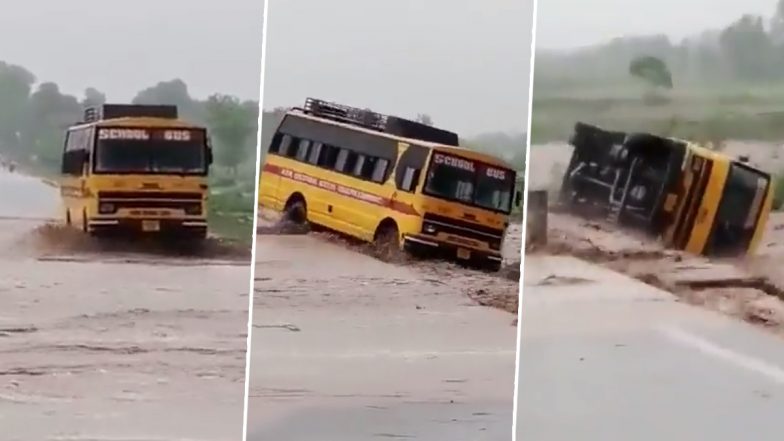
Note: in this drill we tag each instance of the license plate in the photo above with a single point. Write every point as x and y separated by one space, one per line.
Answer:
463 253
151 225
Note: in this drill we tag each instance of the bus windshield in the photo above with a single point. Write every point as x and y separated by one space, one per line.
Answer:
470 182
145 151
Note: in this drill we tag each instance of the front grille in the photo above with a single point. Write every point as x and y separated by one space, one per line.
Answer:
434 224
150 200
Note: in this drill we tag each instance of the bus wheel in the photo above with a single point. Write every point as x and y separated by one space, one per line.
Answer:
84 222
386 243
68 218
295 214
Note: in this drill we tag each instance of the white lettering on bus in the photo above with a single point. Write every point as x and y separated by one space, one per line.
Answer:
331 186
453 161
177 135
132 134
496 173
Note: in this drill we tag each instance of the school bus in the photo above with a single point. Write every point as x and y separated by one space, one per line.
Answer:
692 197
136 169
393 182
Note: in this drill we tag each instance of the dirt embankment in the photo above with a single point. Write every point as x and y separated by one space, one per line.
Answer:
751 289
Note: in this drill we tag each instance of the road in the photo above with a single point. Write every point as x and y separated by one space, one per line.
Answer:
113 346
348 347
605 357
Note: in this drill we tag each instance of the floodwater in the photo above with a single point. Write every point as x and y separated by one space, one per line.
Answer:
348 347
113 346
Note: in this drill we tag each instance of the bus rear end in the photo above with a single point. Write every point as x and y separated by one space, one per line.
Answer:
149 179
467 200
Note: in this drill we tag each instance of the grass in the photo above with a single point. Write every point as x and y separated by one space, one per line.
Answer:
707 113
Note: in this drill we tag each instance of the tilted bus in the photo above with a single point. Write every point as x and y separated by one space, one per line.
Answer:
136 169
389 181
692 197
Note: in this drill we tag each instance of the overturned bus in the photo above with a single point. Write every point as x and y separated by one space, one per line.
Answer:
689 196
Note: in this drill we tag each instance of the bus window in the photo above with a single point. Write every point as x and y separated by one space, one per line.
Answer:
285 145
302 150
379 170
315 153
274 146
346 161
329 157
359 165
410 176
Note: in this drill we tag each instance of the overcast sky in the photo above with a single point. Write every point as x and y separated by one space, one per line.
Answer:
463 62
121 47
571 23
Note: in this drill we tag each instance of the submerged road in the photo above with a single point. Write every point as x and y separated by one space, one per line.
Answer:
351 348
109 346
605 357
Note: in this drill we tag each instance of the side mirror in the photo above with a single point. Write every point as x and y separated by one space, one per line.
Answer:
209 156
518 198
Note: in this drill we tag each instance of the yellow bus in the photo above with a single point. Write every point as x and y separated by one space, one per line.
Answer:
136 169
389 181
692 197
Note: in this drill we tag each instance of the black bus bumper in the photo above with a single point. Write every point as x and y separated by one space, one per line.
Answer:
431 247
195 228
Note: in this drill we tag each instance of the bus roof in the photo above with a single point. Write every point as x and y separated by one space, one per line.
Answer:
461 151
139 122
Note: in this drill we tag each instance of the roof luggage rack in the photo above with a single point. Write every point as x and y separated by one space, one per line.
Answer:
369 119
111 111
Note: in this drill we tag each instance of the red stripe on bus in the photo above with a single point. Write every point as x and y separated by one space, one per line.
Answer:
340 189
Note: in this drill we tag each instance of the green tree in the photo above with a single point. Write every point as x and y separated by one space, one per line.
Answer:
175 93
231 124
93 97
652 70
50 114
15 86
749 50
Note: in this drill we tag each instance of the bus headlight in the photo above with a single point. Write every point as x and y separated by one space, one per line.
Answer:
429 229
106 208
193 209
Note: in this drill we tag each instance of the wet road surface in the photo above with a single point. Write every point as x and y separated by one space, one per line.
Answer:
606 357
348 347
96 346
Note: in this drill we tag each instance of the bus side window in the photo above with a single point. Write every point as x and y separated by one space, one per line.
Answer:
315 153
302 150
379 170
346 161
329 157
360 163
285 145
410 178
274 146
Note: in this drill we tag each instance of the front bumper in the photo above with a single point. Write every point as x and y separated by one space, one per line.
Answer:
148 226
419 242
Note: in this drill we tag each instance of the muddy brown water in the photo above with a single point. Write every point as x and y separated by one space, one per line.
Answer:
101 343
350 342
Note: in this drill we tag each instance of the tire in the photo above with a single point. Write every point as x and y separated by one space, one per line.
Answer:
85 228
386 243
296 212
295 217
68 221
